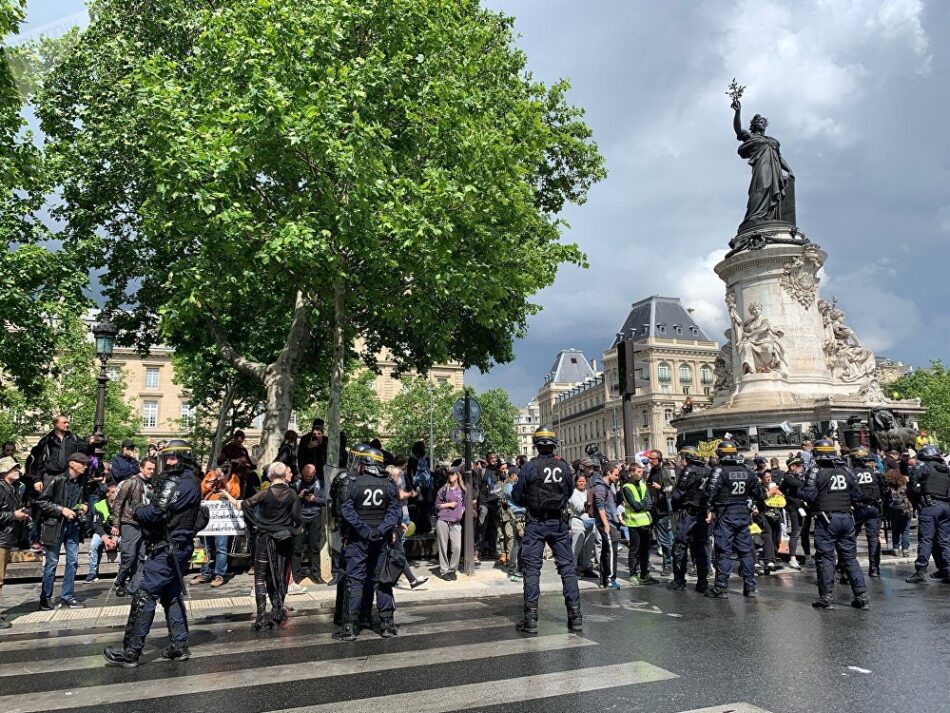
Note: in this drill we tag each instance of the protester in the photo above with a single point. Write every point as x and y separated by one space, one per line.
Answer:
637 508
312 449
517 516
275 512
582 527
235 454
450 506
61 506
102 538
13 515
899 512
397 475
217 485
125 464
791 487
130 495
287 453
309 538
660 492
419 478
607 524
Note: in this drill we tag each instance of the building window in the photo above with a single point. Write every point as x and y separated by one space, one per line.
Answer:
644 418
187 414
661 329
663 372
686 374
694 331
668 414
258 421
664 388
292 423
706 374
151 377
670 446
686 390
149 414
678 328
707 390
114 372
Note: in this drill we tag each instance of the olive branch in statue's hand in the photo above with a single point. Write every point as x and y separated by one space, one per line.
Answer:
735 92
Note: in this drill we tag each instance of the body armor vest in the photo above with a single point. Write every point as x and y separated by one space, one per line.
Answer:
737 486
372 498
547 492
834 493
868 482
938 481
694 496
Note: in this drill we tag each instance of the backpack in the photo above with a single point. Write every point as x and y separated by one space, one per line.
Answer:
423 475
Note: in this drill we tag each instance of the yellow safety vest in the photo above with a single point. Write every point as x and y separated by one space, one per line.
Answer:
637 491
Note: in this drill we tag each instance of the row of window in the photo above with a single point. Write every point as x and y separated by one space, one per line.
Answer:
150 413
664 373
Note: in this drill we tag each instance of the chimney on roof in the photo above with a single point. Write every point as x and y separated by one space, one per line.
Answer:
593 364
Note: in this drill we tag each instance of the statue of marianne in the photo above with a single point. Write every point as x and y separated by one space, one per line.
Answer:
769 188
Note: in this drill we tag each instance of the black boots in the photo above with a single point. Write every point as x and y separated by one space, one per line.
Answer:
676 585
749 592
115 656
702 586
919 577
861 601
387 628
824 601
575 620
176 652
529 623
716 593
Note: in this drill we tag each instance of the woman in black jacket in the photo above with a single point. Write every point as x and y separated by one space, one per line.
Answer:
287 454
275 512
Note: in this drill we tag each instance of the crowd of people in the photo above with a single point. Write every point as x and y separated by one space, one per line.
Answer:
698 513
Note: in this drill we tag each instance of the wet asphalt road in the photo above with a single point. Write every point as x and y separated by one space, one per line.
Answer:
643 649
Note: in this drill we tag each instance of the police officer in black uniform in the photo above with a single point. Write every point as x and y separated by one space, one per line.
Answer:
930 482
730 492
338 487
544 486
371 508
868 513
169 525
692 530
832 490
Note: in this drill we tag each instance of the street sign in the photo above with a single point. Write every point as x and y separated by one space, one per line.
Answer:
475 411
476 435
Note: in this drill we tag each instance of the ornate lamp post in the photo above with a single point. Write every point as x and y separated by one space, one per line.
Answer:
104 332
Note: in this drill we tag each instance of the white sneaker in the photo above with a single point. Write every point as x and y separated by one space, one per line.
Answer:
295 588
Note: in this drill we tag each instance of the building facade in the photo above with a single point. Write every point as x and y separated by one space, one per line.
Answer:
526 423
673 362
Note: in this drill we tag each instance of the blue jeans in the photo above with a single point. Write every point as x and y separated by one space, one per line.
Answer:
69 538
900 532
95 550
217 550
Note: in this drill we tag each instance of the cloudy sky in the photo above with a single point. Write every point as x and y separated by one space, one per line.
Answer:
856 91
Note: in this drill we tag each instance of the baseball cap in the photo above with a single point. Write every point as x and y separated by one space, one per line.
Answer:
129 443
79 458
587 462
7 464
455 469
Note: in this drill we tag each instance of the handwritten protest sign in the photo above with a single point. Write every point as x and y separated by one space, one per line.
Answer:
223 519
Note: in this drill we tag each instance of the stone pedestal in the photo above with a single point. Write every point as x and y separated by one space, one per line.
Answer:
790 365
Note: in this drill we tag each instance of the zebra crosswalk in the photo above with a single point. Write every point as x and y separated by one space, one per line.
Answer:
462 658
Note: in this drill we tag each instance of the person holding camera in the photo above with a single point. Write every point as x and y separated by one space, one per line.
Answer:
13 516
216 485
310 537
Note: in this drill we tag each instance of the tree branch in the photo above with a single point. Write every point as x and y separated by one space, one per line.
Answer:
254 369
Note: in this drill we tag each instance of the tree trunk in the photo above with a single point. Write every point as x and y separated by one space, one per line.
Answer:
222 425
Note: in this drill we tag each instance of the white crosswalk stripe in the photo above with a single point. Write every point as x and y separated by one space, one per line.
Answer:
729 708
231 648
203 683
492 693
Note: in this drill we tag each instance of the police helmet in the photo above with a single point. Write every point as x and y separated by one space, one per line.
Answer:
825 450
860 455
691 455
545 436
727 452
176 448
369 460
794 460
929 452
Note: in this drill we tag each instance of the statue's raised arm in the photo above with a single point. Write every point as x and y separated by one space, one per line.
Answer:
741 134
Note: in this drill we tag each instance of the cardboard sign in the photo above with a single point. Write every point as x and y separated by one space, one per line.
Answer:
223 519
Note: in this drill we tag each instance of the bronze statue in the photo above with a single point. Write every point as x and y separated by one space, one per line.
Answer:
771 191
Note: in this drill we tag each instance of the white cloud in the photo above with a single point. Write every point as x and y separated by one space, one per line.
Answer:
700 289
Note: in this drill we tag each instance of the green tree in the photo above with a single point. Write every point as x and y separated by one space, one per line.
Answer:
498 422
384 169
360 407
38 287
932 387
406 417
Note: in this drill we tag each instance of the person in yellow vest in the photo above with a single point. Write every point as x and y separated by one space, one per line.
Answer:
922 440
636 516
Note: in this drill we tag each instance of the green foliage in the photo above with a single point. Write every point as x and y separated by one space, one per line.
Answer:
38 287
498 423
232 166
932 387
406 417
360 408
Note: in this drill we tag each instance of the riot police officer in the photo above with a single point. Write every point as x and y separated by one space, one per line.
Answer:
169 525
730 491
341 536
930 481
868 513
692 531
832 490
371 509
544 486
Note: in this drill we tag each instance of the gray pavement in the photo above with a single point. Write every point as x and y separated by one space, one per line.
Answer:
643 648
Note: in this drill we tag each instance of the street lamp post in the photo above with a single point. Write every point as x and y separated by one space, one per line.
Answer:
104 332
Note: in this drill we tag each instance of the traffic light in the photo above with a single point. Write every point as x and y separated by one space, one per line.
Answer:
626 368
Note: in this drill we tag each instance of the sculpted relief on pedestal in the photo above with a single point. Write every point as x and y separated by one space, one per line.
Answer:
758 345
723 369
799 277
846 358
